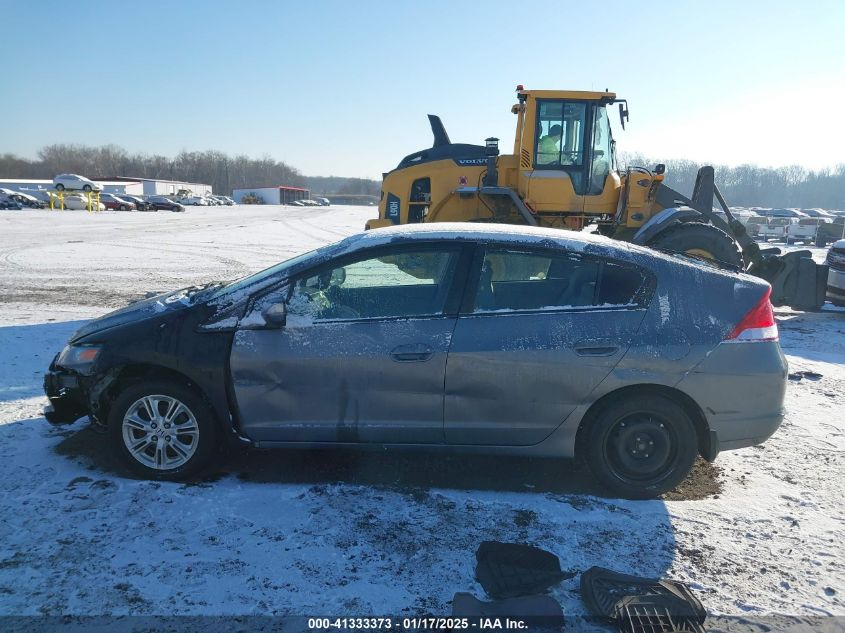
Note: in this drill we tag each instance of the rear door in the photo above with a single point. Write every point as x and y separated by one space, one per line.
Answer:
362 356
540 332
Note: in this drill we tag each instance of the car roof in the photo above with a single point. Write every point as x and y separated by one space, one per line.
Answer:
506 233
514 235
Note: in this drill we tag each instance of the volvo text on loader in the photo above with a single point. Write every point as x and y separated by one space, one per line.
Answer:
563 173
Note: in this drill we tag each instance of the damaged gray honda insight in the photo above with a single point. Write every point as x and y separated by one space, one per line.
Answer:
458 337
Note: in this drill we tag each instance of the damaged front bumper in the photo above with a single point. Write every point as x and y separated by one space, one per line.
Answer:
66 393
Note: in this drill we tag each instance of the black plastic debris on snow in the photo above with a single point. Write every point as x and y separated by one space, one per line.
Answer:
641 605
508 570
809 375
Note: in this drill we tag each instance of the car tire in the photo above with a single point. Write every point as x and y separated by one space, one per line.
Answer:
163 456
86 188
640 447
60 187
174 209
123 207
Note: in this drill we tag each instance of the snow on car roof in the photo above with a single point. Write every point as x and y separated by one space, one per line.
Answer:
457 230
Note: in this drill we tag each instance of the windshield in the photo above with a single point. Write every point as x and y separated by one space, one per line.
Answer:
255 281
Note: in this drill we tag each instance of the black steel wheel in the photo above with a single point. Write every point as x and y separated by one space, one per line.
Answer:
641 446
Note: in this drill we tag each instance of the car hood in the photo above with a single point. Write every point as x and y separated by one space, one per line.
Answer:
149 308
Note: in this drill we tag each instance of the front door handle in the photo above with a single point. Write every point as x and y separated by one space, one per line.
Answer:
411 353
596 350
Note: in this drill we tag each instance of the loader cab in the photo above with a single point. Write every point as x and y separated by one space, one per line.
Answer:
565 150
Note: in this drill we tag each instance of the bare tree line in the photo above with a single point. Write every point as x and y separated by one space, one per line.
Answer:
753 186
218 169
744 185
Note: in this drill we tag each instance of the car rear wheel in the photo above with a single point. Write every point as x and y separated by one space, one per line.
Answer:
642 446
162 430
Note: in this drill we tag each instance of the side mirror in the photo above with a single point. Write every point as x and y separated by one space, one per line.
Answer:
623 113
275 315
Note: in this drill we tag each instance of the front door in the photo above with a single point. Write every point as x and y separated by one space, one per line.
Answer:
544 331
362 356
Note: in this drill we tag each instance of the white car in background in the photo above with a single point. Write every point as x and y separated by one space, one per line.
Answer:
196 201
78 202
75 182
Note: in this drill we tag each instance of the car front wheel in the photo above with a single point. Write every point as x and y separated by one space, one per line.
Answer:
162 430
60 187
640 447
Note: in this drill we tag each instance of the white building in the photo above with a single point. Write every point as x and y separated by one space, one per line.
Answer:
273 195
159 187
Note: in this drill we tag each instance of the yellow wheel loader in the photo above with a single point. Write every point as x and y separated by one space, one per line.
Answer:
563 173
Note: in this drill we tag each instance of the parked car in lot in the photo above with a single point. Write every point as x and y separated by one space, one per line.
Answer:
43 197
558 344
753 224
79 202
323 202
116 203
162 203
8 202
782 213
836 273
831 231
805 230
195 201
139 202
775 228
25 199
75 182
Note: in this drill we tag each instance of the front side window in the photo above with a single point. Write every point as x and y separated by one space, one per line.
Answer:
524 281
403 283
560 134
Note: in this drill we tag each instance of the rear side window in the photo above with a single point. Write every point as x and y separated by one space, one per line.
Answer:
517 280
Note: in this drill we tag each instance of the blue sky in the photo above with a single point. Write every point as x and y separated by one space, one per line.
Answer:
342 88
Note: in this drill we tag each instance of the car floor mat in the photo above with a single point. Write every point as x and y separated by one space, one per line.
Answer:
602 589
656 614
508 570
538 610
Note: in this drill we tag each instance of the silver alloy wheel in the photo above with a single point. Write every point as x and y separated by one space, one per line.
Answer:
160 432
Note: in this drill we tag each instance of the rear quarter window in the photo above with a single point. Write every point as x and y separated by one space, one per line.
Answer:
622 284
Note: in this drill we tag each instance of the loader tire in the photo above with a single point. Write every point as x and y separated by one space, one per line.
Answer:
702 241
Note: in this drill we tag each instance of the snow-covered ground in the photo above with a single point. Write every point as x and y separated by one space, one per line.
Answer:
304 533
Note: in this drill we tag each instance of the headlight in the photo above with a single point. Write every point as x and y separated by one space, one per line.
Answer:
80 358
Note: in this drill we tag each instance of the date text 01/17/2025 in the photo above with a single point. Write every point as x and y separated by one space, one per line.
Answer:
415 624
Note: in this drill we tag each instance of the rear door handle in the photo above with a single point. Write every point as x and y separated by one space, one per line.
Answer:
411 353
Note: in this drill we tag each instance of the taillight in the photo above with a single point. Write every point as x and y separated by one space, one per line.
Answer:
758 325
